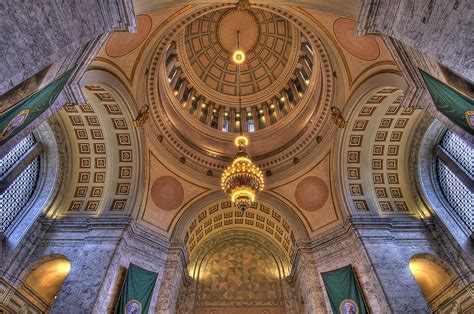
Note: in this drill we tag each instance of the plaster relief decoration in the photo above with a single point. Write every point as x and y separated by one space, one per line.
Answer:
362 47
168 194
375 144
121 44
311 196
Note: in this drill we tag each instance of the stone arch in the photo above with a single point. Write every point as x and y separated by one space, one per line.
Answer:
106 159
371 162
427 136
236 269
49 139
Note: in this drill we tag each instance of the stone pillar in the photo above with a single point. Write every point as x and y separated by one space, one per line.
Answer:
304 267
39 34
390 244
440 29
266 115
173 278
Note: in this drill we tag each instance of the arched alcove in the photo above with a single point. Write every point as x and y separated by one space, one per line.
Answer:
43 280
238 271
433 277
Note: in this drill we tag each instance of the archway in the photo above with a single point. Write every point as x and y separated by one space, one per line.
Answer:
238 271
433 277
43 280
239 262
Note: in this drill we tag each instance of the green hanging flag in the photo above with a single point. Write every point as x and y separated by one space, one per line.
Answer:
344 292
458 107
136 292
23 113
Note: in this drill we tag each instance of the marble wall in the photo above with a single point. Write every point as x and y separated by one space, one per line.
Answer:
37 34
439 29
236 277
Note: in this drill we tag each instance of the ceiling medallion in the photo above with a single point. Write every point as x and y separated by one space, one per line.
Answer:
242 180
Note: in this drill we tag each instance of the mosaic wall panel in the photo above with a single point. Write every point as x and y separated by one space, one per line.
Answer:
239 274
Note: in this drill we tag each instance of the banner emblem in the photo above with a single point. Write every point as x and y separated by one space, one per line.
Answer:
14 123
133 307
469 118
348 306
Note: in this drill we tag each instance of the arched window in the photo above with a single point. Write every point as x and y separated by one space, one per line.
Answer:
19 172
455 172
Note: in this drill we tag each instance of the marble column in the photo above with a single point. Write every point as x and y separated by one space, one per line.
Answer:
172 280
304 267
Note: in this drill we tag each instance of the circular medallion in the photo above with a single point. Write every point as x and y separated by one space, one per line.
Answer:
14 123
348 306
242 21
362 47
167 193
311 193
133 307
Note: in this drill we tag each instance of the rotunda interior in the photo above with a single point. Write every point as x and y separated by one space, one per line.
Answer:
363 166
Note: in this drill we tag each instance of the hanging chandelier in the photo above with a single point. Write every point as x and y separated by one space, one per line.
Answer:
242 180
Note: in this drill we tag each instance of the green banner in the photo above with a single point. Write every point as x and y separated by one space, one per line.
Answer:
455 105
23 113
344 292
137 290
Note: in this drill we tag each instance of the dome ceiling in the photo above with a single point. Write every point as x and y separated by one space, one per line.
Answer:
286 81
206 45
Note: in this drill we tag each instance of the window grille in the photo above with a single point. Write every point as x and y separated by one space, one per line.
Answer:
16 153
14 198
456 193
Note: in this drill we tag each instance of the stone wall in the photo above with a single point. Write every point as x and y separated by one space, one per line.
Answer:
141 247
340 247
37 34
439 29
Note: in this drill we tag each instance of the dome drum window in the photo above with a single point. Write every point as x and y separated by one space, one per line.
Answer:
19 173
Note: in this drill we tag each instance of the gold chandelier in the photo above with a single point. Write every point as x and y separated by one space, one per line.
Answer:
242 180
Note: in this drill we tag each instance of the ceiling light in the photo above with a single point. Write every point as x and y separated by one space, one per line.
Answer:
238 57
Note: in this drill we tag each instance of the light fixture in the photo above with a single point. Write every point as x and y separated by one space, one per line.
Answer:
238 57
242 180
